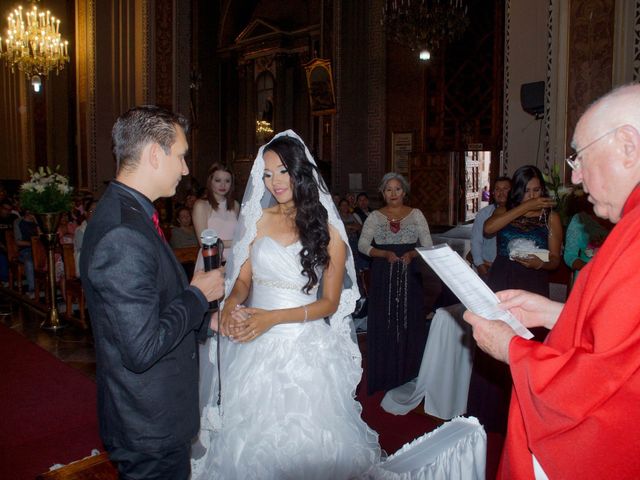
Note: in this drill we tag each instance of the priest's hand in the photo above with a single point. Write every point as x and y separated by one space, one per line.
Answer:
492 336
531 309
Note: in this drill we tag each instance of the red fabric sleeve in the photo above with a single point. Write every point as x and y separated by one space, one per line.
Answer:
575 398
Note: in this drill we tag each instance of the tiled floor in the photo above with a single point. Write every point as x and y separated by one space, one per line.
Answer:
75 346
70 344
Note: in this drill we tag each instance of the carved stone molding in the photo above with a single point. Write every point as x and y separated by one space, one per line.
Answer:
548 87
164 17
265 63
507 82
147 63
337 54
636 42
91 98
86 86
376 145
17 140
181 61
591 58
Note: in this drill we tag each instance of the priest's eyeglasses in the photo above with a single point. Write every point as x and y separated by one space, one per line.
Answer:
574 160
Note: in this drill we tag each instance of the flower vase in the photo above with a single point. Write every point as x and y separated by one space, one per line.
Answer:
49 221
49 224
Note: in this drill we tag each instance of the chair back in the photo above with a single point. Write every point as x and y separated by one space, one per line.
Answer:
69 261
39 254
456 449
12 246
186 254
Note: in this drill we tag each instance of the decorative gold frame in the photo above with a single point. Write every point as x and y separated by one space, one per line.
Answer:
401 149
322 98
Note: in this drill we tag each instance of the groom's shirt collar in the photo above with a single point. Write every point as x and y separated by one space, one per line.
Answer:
142 199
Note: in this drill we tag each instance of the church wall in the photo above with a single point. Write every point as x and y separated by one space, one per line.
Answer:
590 60
139 51
405 97
525 62
581 49
206 91
352 87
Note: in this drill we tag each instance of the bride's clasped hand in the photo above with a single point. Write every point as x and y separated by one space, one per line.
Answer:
244 324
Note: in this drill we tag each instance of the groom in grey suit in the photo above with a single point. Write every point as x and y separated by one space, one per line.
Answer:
145 316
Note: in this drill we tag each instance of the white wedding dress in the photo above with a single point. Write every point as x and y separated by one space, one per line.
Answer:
288 396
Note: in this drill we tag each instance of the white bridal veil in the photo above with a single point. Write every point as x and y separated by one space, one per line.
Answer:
257 197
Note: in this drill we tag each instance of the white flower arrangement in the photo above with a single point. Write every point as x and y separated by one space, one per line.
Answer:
47 191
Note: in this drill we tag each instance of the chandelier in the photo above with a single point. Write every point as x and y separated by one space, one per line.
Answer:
263 127
264 131
424 25
33 44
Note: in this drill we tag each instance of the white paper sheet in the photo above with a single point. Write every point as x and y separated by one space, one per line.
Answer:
468 286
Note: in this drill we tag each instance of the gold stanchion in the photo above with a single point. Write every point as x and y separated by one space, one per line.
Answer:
49 224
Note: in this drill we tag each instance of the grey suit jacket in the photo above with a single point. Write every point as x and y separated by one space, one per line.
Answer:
145 320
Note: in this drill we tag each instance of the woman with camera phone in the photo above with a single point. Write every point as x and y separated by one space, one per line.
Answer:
526 229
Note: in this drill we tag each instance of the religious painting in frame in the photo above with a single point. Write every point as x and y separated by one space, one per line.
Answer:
320 84
401 148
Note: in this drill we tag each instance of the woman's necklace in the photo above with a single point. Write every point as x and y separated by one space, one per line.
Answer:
394 223
289 214
544 217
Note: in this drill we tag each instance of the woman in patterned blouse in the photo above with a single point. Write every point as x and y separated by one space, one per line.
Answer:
396 328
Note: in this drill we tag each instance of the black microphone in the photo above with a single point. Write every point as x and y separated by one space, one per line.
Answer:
212 248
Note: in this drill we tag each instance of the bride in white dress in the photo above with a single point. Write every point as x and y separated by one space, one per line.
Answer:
280 402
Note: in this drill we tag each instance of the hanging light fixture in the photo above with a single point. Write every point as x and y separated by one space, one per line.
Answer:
424 25
33 44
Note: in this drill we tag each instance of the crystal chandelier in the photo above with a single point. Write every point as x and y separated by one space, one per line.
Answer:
264 131
33 44
263 127
424 25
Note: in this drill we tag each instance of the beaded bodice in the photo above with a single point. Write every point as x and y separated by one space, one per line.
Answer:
535 229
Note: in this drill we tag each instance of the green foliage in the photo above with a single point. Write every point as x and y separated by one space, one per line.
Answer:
46 192
560 192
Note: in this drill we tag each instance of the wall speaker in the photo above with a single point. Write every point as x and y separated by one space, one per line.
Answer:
532 98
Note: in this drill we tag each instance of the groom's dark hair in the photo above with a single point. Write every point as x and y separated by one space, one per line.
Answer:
139 126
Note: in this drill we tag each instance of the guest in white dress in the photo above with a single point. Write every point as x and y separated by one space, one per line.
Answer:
281 404
219 210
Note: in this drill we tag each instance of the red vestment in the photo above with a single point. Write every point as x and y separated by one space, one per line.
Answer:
576 398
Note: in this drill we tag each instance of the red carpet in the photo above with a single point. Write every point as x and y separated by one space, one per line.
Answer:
49 413
48 410
393 430
396 430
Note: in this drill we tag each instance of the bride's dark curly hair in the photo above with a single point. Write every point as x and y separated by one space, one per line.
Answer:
311 217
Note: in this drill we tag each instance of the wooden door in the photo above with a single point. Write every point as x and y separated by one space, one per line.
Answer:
435 186
472 185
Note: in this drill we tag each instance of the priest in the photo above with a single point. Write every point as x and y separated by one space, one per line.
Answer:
574 407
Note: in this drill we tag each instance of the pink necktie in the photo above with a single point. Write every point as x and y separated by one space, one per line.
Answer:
156 223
